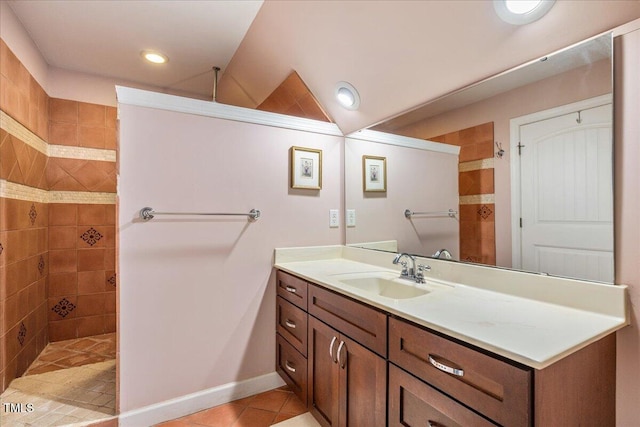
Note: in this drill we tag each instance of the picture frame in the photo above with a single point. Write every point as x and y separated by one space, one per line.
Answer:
306 168
374 174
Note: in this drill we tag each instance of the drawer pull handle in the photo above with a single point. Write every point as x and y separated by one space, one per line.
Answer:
289 367
290 289
342 363
433 424
333 341
445 368
290 324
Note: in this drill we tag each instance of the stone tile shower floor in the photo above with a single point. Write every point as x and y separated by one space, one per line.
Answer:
70 382
74 352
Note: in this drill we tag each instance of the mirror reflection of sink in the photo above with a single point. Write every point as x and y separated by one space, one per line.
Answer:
387 288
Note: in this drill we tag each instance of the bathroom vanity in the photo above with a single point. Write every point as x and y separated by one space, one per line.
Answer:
472 346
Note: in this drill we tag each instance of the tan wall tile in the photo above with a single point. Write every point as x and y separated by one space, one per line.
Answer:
63 214
91 214
90 282
91 259
61 133
61 284
91 114
88 326
63 237
91 305
63 330
63 110
63 261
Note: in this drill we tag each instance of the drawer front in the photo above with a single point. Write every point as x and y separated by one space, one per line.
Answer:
292 324
292 289
494 388
361 323
292 367
414 403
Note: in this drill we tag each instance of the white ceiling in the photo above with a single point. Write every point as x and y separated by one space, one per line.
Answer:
105 38
398 54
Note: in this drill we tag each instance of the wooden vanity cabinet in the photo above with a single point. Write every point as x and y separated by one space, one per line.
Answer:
291 333
347 382
577 390
355 365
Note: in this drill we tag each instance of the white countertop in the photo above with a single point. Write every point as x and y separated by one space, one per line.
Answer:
525 323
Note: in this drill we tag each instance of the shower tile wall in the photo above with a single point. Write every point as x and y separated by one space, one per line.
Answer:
476 190
62 263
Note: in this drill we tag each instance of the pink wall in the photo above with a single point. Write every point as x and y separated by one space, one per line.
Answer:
197 296
582 83
627 225
419 180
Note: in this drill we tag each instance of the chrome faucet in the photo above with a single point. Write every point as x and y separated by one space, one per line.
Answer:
446 253
411 272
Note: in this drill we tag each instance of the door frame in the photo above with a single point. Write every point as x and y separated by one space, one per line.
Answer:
514 131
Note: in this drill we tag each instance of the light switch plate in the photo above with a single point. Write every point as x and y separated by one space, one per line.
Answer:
334 220
351 218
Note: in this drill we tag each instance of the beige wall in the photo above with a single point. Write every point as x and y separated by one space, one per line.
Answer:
627 225
418 180
199 294
582 83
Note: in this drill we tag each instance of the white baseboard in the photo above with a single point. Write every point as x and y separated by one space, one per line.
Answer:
194 402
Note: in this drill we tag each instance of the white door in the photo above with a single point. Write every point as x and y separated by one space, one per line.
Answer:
567 195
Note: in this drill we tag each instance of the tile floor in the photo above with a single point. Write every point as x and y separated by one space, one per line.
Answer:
75 352
70 382
65 396
262 410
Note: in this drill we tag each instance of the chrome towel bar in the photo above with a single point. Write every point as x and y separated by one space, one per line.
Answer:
148 213
450 213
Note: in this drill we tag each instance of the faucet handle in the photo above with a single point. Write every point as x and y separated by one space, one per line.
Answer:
420 273
404 271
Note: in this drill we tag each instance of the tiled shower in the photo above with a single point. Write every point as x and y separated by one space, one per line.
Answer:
57 218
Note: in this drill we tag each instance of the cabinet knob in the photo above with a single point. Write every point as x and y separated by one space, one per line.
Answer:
290 289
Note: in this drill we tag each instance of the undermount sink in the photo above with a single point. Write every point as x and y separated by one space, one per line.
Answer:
394 288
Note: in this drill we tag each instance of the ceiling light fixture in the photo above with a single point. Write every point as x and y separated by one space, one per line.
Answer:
520 12
154 57
347 96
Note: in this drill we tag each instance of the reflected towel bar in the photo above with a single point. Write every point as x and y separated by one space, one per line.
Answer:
450 213
148 213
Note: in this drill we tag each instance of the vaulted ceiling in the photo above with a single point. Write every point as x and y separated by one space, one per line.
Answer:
398 54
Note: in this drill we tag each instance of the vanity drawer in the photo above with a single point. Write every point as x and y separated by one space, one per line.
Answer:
292 289
292 324
497 389
362 323
414 403
292 367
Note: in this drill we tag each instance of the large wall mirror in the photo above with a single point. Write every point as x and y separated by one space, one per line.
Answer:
514 171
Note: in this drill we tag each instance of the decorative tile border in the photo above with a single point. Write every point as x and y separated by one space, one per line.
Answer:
477 199
12 126
11 190
67 152
476 165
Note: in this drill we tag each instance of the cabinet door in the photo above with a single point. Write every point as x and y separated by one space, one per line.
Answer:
323 371
363 383
414 403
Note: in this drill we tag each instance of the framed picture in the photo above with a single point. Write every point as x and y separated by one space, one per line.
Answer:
306 168
374 173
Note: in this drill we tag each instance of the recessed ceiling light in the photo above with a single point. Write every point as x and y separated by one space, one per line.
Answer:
519 12
154 57
347 96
